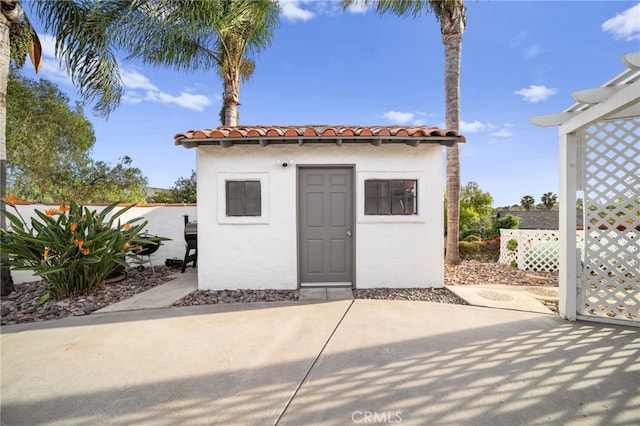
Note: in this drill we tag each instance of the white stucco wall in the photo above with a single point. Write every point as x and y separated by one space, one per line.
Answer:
163 220
259 253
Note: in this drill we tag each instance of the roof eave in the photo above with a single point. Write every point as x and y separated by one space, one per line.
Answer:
338 140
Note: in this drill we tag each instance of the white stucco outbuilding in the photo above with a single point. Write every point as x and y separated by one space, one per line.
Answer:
281 207
599 140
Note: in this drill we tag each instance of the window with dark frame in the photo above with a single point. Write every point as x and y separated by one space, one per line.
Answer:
244 198
390 197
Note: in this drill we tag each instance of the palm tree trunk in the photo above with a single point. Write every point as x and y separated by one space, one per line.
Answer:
452 26
231 98
6 285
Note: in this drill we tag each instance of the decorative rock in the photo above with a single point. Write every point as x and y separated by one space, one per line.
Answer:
438 295
28 294
20 306
212 297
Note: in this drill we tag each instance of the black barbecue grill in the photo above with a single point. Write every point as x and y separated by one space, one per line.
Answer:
191 239
146 249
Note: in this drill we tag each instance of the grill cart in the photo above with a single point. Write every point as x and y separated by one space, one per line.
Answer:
191 240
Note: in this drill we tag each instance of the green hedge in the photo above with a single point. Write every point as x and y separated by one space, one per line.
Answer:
482 251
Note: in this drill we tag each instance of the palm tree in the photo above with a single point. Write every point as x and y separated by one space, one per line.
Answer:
184 34
549 199
453 19
81 42
217 34
11 14
527 202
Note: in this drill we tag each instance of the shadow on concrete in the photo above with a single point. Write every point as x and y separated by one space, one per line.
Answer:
521 369
538 371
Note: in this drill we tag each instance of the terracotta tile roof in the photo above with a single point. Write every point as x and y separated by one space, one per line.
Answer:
227 136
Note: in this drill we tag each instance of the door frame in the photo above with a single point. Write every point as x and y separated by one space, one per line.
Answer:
352 168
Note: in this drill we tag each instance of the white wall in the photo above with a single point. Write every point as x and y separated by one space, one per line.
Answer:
163 220
397 251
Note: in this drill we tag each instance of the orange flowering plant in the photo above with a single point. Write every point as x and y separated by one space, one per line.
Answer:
71 248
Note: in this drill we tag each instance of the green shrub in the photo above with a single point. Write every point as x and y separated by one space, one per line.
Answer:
513 263
512 244
71 248
506 222
482 251
472 238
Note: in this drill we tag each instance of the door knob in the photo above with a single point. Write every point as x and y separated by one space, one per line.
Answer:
348 233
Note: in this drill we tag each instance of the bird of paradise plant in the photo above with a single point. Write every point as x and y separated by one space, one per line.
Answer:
71 248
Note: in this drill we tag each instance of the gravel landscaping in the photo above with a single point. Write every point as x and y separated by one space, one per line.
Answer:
21 305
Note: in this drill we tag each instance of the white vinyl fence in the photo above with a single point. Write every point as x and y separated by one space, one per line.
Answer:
164 220
535 250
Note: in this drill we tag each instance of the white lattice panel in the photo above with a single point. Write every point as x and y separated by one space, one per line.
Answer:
537 250
611 286
507 256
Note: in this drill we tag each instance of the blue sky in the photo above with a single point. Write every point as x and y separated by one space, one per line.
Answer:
519 59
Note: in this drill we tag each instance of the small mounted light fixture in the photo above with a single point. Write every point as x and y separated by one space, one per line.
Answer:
284 163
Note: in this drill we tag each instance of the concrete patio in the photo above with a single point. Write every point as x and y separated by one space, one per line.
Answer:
322 363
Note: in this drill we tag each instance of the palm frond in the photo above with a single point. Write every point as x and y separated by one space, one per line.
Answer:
81 29
413 8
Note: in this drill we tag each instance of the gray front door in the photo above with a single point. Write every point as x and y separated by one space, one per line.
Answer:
325 219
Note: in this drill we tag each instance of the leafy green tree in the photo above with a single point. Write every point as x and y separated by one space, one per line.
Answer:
82 44
222 35
505 222
12 20
99 182
44 134
452 16
475 210
48 145
88 33
549 199
183 191
527 202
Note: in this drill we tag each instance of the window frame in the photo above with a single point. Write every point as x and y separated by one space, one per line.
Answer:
387 198
244 200
221 198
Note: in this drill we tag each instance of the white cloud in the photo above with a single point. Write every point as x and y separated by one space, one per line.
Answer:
488 128
134 80
292 11
357 8
625 25
503 133
397 117
185 99
519 39
535 93
138 87
131 98
532 51
415 118
473 127
528 49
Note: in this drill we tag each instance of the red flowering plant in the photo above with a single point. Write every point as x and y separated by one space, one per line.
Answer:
70 247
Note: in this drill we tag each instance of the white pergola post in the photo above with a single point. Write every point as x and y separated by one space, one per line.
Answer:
568 276
599 141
